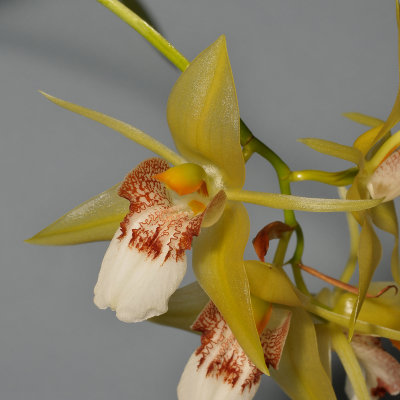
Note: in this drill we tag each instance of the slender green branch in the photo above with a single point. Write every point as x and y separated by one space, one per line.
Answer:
148 32
253 145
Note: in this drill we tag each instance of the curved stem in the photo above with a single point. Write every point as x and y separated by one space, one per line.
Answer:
253 145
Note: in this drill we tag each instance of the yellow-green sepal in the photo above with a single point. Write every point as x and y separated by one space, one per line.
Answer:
270 283
350 363
384 217
369 255
203 114
123 128
301 373
363 119
219 268
96 219
366 141
184 306
333 149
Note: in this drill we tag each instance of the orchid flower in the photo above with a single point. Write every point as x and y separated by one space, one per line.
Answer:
146 258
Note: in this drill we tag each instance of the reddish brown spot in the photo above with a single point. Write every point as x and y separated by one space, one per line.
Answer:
380 390
274 230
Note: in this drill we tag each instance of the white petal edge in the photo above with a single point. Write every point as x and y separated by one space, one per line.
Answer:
133 284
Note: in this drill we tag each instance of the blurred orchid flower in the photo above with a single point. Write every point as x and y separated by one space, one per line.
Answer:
382 371
378 160
371 371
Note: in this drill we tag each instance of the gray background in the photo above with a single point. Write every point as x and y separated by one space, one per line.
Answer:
298 65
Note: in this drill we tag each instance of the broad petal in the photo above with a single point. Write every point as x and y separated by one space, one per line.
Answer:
219 268
219 369
94 220
384 182
381 369
271 284
203 114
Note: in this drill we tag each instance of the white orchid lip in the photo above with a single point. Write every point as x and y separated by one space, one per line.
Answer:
219 368
146 261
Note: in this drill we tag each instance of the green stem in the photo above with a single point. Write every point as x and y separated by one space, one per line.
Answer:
148 32
253 145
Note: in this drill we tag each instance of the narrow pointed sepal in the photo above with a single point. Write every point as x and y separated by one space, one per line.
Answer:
94 220
369 255
333 149
363 119
125 129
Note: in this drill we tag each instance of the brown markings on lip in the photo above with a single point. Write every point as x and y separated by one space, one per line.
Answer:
273 341
164 225
230 360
